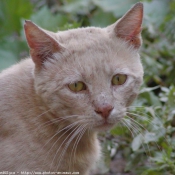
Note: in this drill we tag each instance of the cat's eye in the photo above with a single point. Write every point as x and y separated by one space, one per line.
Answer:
77 86
119 79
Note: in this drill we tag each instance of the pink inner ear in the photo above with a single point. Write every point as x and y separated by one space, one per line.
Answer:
34 44
42 45
129 26
134 34
37 38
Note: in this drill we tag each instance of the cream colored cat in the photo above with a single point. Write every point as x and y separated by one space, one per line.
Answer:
76 83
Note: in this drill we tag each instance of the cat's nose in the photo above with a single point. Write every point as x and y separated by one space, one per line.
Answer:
104 111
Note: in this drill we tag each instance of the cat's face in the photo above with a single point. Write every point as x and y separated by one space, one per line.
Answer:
95 71
89 76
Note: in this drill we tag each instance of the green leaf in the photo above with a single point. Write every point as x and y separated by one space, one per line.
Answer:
154 13
152 171
151 98
77 6
119 130
11 51
117 7
150 137
11 13
101 19
137 142
148 89
7 59
45 19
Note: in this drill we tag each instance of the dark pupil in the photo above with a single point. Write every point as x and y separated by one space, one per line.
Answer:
75 85
117 77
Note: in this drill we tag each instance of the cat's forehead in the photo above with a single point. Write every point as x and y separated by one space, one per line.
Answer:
97 49
94 41
82 38
94 50
80 33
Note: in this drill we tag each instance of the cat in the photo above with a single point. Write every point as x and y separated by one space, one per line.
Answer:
76 84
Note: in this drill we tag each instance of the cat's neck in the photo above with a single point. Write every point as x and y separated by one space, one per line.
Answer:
61 141
75 144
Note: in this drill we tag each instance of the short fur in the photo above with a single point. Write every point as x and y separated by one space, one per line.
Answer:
41 119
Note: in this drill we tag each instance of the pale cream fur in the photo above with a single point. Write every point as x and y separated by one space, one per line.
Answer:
35 99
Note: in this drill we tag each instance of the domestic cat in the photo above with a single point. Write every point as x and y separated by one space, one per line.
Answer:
75 84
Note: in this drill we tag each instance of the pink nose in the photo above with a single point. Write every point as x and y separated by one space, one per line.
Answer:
104 111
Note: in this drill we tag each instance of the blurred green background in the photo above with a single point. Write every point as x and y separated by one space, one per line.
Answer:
147 145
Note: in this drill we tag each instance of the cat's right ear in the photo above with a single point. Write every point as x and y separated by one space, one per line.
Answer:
42 44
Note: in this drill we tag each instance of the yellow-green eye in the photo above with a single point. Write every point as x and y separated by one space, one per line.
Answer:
119 79
77 86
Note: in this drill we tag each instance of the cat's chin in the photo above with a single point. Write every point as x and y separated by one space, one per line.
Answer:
104 127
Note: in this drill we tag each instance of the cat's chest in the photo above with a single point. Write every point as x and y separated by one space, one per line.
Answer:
62 154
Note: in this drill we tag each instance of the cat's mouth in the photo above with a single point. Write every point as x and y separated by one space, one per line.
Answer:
105 125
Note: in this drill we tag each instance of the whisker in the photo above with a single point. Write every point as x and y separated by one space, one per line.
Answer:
144 115
58 119
138 129
69 127
64 128
125 123
135 121
74 133
42 114
142 127
81 133
50 122
142 107
148 120
61 144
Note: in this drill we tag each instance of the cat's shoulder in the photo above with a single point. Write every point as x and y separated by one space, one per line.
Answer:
17 69
16 80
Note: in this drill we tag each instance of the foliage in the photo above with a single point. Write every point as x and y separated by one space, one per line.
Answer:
148 146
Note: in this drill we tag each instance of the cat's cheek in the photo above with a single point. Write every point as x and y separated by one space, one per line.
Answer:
133 93
118 113
131 99
129 95
72 103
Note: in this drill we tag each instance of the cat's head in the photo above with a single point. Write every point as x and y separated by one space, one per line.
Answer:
89 75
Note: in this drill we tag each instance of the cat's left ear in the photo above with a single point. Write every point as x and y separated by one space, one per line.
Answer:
129 28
